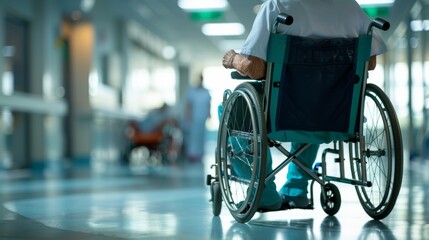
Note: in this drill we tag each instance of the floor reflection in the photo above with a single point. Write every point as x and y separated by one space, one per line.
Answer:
376 230
328 229
172 203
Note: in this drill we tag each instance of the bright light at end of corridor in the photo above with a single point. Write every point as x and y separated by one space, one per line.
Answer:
419 25
168 52
223 29
197 5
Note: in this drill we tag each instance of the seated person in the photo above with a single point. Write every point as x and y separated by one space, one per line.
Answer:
150 131
312 18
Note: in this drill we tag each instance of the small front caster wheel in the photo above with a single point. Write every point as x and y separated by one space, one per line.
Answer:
330 199
209 179
216 198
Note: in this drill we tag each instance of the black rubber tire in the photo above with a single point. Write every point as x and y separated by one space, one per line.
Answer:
332 203
216 198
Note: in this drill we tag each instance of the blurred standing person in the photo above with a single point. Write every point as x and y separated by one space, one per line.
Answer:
197 111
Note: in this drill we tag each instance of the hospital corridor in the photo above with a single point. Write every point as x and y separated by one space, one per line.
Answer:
129 120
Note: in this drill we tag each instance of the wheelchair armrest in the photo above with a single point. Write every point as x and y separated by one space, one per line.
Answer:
238 76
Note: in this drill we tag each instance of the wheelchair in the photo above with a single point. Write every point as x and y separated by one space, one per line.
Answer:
162 148
304 100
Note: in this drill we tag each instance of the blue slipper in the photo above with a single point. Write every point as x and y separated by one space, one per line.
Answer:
271 207
295 202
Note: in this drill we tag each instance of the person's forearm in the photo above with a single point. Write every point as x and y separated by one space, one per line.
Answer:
250 66
247 66
372 62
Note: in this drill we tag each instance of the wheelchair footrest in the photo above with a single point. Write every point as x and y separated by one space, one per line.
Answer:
286 206
348 181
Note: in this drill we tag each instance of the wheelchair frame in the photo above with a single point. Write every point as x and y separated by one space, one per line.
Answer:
242 195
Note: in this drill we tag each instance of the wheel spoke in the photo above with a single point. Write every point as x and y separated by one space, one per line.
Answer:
242 152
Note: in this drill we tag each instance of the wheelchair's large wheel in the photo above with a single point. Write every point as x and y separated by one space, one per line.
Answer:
241 152
382 153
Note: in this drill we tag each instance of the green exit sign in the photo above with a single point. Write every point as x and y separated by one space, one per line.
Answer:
206 16
374 12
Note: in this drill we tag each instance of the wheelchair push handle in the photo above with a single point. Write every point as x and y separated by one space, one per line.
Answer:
284 18
380 24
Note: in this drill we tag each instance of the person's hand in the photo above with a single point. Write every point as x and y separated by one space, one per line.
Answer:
228 58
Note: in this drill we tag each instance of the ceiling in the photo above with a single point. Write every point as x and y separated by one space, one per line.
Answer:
169 22
165 19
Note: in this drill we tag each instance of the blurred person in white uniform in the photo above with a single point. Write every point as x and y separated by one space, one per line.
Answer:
197 111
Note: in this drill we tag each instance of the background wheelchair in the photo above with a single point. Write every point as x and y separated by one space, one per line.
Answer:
260 114
160 148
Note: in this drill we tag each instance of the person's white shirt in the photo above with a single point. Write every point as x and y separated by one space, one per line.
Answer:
312 18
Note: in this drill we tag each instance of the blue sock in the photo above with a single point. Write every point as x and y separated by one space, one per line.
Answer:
270 196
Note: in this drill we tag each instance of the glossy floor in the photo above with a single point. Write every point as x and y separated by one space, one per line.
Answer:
172 203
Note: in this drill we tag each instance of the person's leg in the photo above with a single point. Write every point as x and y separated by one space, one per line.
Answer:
270 197
295 188
196 142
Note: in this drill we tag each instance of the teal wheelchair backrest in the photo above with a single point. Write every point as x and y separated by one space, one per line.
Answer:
315 87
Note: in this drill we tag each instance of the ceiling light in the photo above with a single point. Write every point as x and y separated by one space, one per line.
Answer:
223 29
197 5
87 5
374 2
419 25
168 52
